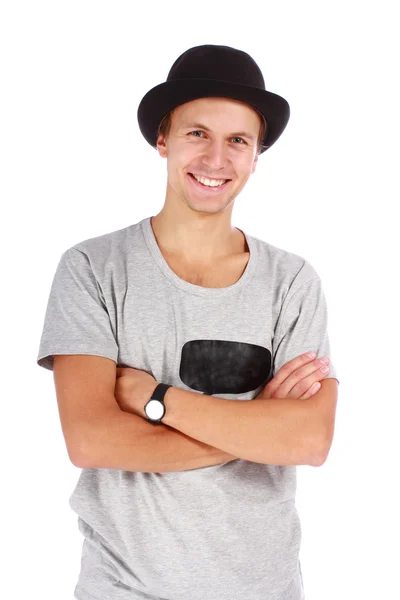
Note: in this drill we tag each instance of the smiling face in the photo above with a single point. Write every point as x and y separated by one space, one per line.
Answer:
216 138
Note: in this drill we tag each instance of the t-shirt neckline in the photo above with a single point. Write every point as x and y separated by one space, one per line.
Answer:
191 288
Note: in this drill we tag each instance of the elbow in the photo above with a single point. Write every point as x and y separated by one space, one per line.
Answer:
81 462
320 456
318 461
78 456
78 459
310 452
87 442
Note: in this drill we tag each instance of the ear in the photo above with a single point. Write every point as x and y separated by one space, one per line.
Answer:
254 164
162 146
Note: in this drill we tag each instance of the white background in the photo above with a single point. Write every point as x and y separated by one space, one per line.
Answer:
75 165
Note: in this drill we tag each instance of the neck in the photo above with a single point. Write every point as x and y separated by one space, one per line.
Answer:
197 239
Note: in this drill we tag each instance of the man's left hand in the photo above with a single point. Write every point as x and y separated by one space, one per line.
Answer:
133 389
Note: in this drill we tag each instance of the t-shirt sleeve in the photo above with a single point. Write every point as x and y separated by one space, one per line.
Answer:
76 319
303 326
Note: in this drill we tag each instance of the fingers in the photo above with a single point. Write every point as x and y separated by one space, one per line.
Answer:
291 366
311 391
287 369
309 385
301 382
297 376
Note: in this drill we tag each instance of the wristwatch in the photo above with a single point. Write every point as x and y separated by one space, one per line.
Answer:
155 407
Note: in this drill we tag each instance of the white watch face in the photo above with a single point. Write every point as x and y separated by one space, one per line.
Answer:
154 409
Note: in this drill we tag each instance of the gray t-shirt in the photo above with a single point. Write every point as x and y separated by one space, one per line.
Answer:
224 532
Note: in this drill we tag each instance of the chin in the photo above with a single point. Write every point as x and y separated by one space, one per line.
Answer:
209 206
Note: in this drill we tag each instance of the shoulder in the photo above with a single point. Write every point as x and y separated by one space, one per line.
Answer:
107 241
107 249
285 268
104 256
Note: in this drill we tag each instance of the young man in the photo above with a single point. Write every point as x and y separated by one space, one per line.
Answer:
202 316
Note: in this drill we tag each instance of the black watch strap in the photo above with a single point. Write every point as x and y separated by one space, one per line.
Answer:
160 391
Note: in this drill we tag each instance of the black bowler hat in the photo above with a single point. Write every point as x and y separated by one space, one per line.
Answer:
213 71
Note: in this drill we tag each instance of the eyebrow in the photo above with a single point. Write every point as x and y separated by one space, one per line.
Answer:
200 126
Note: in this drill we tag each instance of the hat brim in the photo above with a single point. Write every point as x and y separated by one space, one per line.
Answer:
166 96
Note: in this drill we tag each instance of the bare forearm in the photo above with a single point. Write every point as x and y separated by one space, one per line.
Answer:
128 442
280 431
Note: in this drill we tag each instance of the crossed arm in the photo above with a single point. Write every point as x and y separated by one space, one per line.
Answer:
207 430
282 431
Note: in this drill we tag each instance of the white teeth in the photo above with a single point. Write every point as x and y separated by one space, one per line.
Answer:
210 182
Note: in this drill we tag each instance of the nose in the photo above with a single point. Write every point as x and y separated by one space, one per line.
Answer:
215 155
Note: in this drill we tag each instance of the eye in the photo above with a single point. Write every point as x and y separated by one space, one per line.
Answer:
234 138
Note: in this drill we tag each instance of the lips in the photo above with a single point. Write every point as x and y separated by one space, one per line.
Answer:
207 177
208 189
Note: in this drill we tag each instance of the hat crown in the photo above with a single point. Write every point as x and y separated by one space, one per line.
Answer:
220 63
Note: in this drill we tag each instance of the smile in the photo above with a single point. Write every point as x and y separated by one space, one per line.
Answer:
208 189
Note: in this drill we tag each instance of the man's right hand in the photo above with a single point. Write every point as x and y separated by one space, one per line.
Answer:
298 378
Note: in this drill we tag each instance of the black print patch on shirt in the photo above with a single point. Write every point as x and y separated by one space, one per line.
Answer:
224 367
